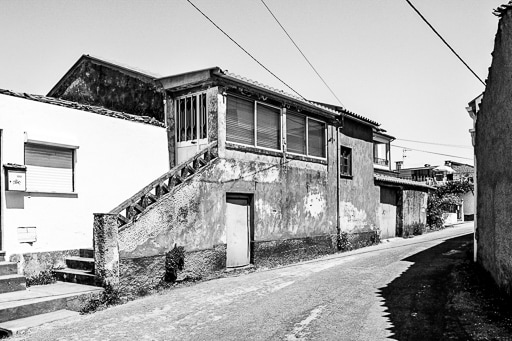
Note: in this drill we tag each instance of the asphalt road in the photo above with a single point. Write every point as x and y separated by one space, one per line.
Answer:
339 297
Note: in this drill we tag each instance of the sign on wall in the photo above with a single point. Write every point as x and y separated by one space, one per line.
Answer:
16 177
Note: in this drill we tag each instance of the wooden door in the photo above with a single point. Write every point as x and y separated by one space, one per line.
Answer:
238 223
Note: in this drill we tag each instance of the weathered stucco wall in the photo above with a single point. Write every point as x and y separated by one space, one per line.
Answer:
359 197
494 156
95 84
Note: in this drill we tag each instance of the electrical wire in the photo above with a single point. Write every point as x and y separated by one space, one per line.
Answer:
444 41
302 53
250 55
429 152
437 144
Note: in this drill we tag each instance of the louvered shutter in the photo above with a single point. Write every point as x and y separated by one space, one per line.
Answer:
296 133
240 121
268 127
49 169
316 138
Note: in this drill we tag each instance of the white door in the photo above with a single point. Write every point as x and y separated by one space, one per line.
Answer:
191 123
238 222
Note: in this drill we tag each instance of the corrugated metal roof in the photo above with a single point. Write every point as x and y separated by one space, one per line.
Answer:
500 11
83 107
398 181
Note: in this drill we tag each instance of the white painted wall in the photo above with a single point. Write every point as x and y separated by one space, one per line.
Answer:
115 159
469 203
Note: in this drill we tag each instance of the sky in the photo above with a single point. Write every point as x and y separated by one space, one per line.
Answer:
381 60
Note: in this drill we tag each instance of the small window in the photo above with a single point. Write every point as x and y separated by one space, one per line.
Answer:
345 161
191 118
49 168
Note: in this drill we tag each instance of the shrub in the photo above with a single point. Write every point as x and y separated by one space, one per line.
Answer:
174 262
108 297
42 278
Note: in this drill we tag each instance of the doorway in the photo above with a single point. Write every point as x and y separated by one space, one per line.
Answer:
238 229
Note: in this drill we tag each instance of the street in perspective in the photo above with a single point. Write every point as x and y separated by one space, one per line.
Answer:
256 170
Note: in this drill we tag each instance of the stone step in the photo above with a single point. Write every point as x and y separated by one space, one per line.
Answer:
86 253
8 268
10 283
75 276
41 299
17 326
80 263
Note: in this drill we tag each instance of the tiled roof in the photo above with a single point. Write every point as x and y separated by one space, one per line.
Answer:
297 98
278 91
500 11
463 169
398 181
84 107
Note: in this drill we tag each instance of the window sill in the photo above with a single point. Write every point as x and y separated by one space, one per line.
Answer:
344 176
276 153
51 194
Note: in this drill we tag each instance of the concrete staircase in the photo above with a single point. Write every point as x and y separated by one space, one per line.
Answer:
22 308
79 269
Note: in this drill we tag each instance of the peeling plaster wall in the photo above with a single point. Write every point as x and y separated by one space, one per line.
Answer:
493 155
359 196
94 84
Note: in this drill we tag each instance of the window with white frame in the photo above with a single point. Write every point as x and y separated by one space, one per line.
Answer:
49 168
191 117
253 123
305 135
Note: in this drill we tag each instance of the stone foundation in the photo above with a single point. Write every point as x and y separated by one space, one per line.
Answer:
31 264
280 252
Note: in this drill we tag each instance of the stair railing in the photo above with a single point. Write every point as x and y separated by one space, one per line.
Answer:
131 208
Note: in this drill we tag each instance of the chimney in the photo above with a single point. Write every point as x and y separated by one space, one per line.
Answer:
399 165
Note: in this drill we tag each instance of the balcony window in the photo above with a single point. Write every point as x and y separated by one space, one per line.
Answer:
381 154
191 118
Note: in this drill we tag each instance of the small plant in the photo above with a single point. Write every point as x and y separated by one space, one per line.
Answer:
42 278
108 297
343 242
174 262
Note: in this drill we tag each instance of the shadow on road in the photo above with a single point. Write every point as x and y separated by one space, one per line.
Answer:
417 300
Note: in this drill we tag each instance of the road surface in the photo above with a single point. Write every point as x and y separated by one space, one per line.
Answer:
346 296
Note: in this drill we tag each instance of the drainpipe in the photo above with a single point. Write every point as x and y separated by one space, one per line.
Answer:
338 225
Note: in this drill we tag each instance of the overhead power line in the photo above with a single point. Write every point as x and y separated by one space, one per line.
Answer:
437 144
250 55
429 152
302 53
444 41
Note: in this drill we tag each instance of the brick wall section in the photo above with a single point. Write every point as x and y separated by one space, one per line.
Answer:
494 156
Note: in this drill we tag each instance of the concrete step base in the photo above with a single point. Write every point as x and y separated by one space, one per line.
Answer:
8 268
86 253
75 276
42 299
10 283
16 326
80 263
